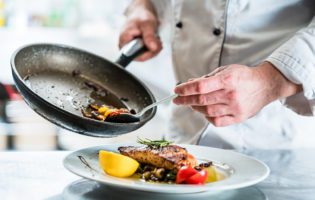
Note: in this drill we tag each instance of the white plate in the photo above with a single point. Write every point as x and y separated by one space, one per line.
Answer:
240 170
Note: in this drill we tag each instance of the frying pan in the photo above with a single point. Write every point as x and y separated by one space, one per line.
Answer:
57 81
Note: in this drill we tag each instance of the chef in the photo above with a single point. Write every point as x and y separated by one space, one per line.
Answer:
246 69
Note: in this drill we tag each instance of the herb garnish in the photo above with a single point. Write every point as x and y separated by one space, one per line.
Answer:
155 144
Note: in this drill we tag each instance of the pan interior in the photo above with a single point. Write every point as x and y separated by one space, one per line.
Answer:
71 93
70 79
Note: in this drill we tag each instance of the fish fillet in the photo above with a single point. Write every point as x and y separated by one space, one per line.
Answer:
171 157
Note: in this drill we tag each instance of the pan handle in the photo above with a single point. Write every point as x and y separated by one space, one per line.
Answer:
130 51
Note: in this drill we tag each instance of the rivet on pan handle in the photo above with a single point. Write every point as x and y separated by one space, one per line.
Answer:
130 51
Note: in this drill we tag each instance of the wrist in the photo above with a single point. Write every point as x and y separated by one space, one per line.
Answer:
275 82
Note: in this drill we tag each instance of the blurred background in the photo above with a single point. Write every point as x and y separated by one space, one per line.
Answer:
92 25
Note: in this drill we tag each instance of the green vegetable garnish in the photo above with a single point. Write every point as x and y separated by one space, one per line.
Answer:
170 176
154 143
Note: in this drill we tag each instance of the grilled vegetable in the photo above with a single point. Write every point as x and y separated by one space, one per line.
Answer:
146 175
156 174
103 109
159 173
86 114
100 113
190 175
199 177
184 173
170 176
97 115
94 106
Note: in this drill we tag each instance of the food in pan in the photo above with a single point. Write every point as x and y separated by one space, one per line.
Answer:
158 161
101 113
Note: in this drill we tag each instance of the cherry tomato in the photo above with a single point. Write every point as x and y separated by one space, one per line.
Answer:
199 178
184 173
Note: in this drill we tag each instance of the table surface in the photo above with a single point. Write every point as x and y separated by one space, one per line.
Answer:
41 175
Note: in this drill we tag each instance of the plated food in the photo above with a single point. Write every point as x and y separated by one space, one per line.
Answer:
158 161
239 170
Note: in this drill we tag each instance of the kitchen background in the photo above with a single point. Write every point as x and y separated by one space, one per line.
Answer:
93 25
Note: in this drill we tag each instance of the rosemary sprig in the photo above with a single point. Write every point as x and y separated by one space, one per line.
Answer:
154 143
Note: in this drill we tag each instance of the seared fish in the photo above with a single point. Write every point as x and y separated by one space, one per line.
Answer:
171 157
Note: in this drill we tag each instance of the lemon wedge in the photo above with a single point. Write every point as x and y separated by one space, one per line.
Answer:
212 174
116 164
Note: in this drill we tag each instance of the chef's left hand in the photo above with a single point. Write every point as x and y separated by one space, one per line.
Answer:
234 93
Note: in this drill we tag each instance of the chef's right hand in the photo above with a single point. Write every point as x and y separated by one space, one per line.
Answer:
142 22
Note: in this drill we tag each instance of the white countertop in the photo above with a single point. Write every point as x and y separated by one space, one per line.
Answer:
41 175
33 175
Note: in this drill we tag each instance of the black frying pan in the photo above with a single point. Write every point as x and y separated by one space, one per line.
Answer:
56 81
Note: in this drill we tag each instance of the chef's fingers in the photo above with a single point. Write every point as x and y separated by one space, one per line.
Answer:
200 86
216 97
217 70
149 54
221 121
149 36
215 110
147 31
129 32
151 40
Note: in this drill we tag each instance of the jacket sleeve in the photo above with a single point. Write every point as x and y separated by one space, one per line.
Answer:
162 8
295 59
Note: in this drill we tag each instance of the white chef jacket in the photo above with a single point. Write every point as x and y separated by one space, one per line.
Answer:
207 34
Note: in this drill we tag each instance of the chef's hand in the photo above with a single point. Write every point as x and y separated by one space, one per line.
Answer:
234 93
141 22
